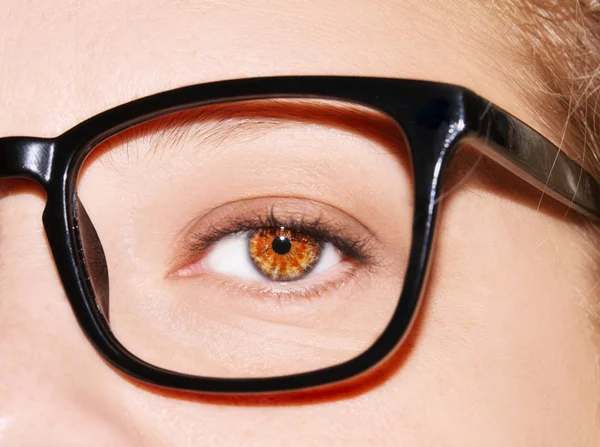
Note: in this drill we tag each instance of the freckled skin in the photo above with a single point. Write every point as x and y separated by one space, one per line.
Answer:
302 256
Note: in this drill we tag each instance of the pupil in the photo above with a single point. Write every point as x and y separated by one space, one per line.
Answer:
281 245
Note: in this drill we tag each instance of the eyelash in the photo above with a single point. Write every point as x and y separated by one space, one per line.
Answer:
353 248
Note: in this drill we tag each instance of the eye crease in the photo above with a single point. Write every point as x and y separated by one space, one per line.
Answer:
282 254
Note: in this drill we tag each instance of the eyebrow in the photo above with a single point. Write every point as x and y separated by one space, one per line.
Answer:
216 123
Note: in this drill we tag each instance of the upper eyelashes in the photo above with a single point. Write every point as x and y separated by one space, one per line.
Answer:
278 247
249 255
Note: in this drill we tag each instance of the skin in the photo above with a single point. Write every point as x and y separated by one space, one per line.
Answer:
503 352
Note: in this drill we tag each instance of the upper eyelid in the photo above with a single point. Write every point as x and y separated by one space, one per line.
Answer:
259 221
360 247
212 125
250 211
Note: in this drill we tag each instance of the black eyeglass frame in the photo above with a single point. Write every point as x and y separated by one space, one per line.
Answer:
436 119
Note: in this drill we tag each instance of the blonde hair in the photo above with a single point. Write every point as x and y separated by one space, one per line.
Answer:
559 42
559 47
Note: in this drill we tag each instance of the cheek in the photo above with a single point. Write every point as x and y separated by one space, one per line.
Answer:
504 341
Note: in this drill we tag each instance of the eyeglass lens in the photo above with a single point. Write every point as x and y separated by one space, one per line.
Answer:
244 239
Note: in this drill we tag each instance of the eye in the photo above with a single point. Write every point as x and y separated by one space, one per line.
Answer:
268 254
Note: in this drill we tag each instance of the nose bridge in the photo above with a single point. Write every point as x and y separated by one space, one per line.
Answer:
37 326
27 157
50 376
35 316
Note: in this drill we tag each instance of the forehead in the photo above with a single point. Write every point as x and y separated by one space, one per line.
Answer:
70 60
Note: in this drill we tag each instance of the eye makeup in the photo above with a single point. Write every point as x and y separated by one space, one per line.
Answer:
305 228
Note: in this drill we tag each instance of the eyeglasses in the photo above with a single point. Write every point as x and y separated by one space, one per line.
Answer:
266 234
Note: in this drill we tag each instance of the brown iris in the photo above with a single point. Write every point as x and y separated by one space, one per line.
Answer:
282 254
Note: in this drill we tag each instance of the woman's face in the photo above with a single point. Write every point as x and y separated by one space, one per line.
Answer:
503 351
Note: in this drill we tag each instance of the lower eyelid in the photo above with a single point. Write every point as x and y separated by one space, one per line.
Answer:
323 283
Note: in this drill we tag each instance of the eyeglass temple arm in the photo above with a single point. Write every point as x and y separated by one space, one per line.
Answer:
26 157
528 154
